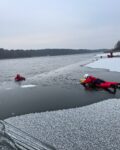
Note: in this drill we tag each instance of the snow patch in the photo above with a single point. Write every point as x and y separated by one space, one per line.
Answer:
106 63
92 127
27 86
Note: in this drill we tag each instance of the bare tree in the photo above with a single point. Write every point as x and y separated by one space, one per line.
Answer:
117 46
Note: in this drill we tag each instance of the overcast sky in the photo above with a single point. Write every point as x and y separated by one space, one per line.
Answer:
36 24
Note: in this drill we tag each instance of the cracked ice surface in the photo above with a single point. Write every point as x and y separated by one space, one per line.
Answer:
93 127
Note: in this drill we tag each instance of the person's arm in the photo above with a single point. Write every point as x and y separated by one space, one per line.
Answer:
86 83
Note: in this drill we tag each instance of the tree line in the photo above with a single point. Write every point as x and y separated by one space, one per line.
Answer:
20 53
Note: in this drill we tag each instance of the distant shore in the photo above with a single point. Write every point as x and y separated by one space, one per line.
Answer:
20 53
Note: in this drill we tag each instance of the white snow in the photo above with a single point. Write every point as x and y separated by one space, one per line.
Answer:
27 86
92 127
107 63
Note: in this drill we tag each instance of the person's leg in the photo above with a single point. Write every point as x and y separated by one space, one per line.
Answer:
111 91
118 85
98 81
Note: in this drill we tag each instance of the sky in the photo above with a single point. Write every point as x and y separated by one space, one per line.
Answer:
37 24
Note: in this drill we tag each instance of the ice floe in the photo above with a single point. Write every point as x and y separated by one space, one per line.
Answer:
92 127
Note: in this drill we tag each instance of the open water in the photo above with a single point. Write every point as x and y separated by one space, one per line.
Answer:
52 83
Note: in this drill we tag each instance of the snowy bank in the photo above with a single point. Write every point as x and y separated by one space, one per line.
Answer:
106 54
106 63
92 127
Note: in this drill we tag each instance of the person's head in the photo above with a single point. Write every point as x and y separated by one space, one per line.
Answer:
86 76
18 75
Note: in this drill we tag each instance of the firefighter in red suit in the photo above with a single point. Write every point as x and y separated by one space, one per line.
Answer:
93 82
19 78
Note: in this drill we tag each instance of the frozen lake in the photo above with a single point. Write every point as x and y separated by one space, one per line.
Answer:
52 83
37 68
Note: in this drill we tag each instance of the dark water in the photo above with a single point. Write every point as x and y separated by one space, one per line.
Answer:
59 89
